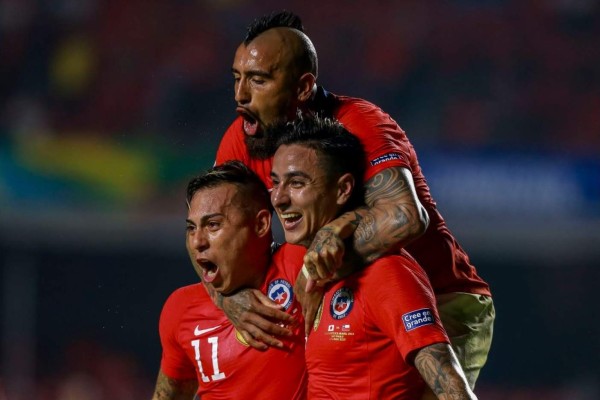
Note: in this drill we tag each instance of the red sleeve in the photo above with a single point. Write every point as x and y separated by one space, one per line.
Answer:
174 362
232 146
403 305
385 143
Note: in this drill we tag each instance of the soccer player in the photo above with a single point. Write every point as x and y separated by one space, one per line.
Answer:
229 243
378 331
275 73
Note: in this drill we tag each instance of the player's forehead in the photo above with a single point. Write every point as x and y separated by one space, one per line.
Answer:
222 199
296 159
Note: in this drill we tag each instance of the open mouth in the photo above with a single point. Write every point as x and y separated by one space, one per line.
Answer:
250 122
209 270
290 220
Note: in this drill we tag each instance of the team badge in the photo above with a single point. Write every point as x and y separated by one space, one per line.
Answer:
280 291
341 303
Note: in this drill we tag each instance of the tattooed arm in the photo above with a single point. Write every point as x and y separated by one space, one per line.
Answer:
441 371
254 315
393 217
173 389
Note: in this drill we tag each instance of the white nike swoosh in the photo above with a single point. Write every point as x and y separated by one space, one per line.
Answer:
199 332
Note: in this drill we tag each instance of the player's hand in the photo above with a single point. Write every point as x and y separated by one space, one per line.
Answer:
310 301
257 318
324 257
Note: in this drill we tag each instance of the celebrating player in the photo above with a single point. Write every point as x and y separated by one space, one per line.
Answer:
378 331
229 243
275 72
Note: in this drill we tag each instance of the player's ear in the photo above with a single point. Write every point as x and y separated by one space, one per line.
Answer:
345 186
306 84
263 223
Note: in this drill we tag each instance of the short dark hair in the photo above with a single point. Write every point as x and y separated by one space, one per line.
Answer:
282 19
339 151
306 59
237 173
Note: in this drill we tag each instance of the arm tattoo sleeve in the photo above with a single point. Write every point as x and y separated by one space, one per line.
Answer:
442 372
394 218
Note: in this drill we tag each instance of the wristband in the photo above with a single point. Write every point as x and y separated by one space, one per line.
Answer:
305 272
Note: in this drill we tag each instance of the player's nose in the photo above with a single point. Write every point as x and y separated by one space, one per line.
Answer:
279 197
242 94
199 241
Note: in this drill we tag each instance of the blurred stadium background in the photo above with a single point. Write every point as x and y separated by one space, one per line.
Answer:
107 108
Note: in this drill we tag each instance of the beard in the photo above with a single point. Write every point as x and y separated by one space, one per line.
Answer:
263 146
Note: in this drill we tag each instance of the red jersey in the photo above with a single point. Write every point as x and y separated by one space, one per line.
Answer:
198 341
371 325
386 145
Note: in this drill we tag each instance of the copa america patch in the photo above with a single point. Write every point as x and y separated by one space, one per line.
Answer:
418 318
341 303
280 291
386 157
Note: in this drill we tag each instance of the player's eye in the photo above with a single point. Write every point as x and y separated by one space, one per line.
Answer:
213 225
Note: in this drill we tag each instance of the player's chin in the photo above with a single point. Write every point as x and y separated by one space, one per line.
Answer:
224 285
219 287
225 290
296 238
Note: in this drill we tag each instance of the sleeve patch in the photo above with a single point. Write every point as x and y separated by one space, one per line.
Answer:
418 318
386 157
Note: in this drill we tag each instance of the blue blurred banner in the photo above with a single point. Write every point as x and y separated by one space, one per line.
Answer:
514 185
